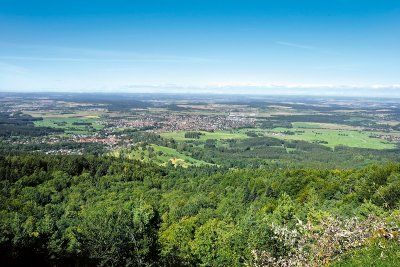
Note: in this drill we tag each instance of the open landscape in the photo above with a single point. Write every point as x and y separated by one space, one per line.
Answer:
209 133
203 170
199 131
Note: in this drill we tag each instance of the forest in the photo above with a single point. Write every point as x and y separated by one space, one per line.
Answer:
200 133
177 180
88 210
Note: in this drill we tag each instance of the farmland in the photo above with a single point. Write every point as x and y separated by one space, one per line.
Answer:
217 135
327 135
149 174
204 130
159 154
71 124
331 136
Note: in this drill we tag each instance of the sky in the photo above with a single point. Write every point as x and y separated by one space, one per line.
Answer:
199 45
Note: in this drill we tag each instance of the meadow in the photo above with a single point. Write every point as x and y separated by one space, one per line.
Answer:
159 154
331 135
217 135
295 181
71 125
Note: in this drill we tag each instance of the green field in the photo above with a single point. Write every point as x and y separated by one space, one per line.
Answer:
330 136
319 125
161 155
67 124
218 135
170 154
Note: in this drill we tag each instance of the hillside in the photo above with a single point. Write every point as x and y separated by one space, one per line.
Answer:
85 210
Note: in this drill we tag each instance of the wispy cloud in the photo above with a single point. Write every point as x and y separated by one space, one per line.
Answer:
32 52
344 67
10 68
83 59
307 47
300 46
271 89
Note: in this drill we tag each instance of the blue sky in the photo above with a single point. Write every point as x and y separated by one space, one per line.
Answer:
127 45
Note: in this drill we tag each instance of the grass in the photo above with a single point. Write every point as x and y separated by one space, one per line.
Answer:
331 137
69 114
170 154
319 125
167 155
218 135
67 124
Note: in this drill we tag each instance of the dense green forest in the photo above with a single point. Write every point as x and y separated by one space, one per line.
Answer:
150 180
87 210
18 124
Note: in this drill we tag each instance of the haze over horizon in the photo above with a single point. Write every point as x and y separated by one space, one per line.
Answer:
257 47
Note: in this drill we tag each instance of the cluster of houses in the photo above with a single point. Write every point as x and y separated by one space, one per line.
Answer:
204 122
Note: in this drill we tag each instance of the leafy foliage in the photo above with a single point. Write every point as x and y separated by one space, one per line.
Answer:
87 210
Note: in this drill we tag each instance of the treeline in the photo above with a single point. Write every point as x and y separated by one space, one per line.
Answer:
264 151
270 124
258 152
12 148
19 124
324 118
193 135
286 120
86 210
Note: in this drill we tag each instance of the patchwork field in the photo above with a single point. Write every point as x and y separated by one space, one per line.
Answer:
160 155
64 114
327 134
169 154
158 170
218 135
330 135
71 125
